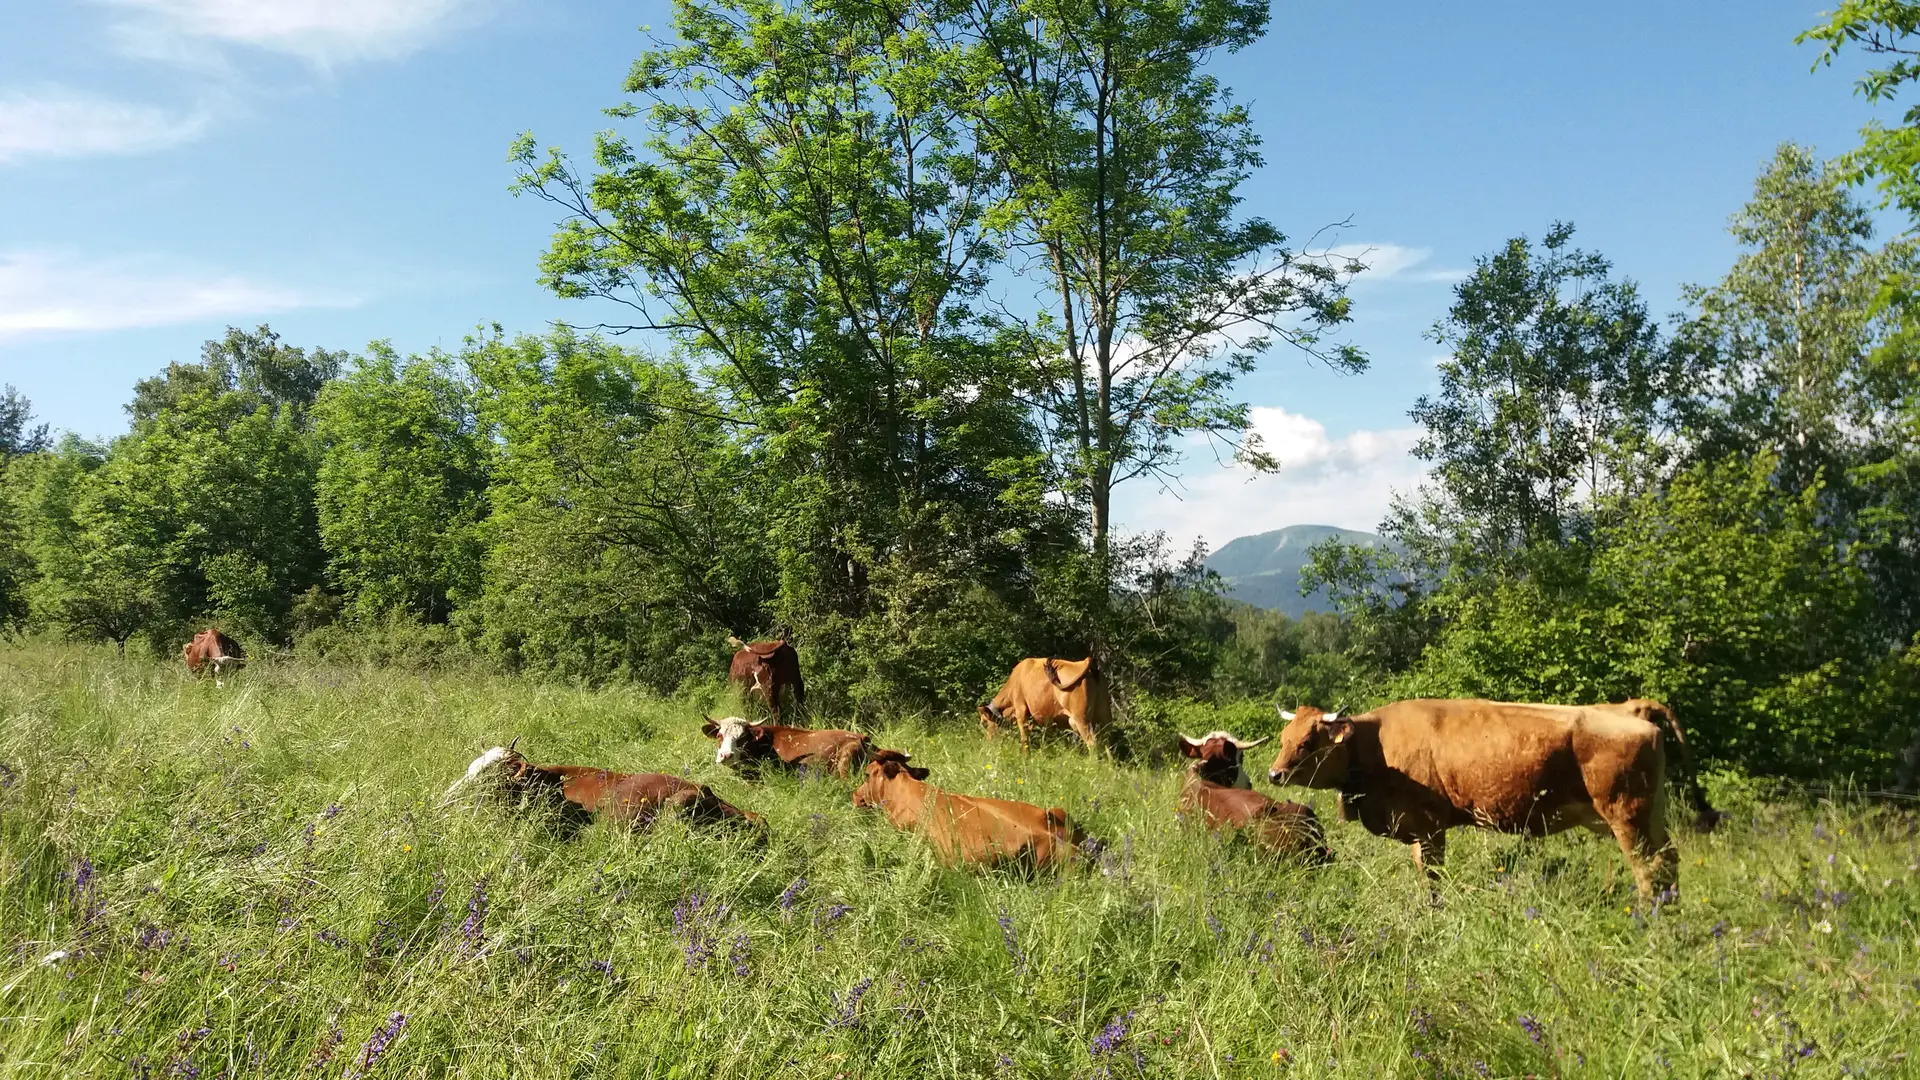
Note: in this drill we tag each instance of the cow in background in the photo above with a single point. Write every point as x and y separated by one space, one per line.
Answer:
1414 769
211 650
582 792
1216 788
1044 692
966 828
764 669
741 745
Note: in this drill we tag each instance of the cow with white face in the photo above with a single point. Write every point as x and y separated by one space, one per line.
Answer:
745 746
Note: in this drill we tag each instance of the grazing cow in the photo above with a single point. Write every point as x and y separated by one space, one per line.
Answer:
211 650
966 828
749 746
1217 788
581 792
764 668
1413 769
1044 692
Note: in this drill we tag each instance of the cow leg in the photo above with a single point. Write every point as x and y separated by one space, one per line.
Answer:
1651 854
1429 855
1021 721
1078 722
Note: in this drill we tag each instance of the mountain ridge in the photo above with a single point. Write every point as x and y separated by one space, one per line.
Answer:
1264 569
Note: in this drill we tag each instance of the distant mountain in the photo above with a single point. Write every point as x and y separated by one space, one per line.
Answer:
1264 570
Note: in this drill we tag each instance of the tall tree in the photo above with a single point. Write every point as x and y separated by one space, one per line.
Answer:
1886 29
18 433
401 486
1551 395
1125 159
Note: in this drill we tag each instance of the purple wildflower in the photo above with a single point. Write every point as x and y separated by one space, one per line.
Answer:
438 891
699 923
331 938
849 1014
824 918
332 811
330 1042
377 1046
1534 1029
7 776
474 930
738 955
1531 913
1215 925
1422 1020
604 967
152 937
1011 937
791 895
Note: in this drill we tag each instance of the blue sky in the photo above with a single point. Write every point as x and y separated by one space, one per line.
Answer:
337 168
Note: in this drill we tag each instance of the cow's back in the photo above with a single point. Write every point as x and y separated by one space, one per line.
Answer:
1512 765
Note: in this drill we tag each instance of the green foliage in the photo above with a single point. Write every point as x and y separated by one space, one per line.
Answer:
1883 28
269 878
401 486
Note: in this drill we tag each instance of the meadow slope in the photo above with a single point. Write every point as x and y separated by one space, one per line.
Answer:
259 882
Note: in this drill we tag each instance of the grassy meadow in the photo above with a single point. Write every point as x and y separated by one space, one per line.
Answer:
259 881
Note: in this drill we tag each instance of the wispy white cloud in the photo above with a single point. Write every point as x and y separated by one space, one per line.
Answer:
1347 480
1395 262
325 33
52 293
56 123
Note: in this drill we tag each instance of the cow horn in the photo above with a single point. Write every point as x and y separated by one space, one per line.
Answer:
1244 745
1285 715
1189 740
514 743
1332 716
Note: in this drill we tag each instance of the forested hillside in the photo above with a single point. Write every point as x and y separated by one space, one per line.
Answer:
851 439
1264 570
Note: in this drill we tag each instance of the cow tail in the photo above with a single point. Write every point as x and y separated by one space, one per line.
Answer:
1053 675
1705 817
799 684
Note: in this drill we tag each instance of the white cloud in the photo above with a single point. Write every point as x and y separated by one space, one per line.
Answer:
1394 262
1348 480
57 123
48 293
325 33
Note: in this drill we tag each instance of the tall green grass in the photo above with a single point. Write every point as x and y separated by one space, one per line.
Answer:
254 881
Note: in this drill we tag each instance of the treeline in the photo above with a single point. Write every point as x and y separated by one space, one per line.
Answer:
930 284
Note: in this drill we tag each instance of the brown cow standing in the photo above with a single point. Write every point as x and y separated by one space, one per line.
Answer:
1044 692
746 746
212 650
1216 787
765 668
966 828
1413 769
581 791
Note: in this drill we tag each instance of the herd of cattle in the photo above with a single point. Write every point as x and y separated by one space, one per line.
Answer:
1410 771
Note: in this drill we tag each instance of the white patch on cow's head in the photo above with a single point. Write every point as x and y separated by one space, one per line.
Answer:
729 731
483 766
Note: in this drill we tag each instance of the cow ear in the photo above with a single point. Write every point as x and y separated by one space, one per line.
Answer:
917 772
1190 747
758 732
1285 714
710 729
1339 731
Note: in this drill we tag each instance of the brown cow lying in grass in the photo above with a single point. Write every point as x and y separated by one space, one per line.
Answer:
967 828
1217 789
747 746
1414 769
581 792
1043 692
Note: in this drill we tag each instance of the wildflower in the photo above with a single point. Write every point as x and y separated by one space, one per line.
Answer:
604 967
7 776
1422 1020
332 811
698 923
323 1052
849 1014
1824 926
1012 940
1534 1029
1111 1038
405 848
474 930
439 890
737 956
791 895
824 919
377 1046
1531 913
330 938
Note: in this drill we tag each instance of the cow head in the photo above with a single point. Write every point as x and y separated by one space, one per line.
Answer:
885 765
738 740
1313 749
1217 758
497 768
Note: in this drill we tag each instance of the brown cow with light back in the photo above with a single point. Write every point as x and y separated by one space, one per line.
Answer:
211 650
967 829
741 745
1044 692
1414 769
